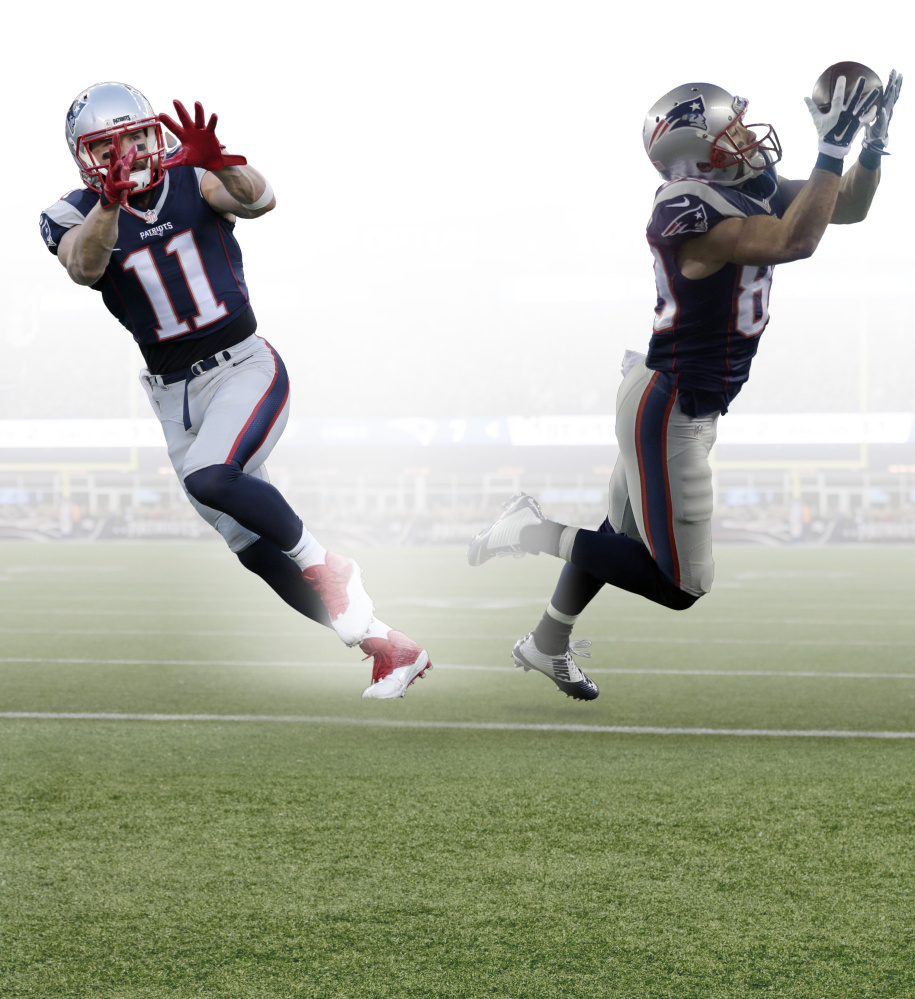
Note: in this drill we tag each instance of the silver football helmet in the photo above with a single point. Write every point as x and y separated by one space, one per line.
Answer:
687 134
106 111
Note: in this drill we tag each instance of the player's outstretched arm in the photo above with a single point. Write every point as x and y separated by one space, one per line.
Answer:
856 192
762 240
230 186
238 190
859 184
86 249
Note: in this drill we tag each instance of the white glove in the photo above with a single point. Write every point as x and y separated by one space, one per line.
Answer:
839 124
875 134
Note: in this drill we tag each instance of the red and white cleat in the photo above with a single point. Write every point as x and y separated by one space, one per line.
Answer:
338 582
398 662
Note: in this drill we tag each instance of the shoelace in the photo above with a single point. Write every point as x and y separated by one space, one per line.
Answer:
532 504
382 657
563 665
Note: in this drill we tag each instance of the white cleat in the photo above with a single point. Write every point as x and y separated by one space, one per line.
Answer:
504 536
398 662
561 669
338 582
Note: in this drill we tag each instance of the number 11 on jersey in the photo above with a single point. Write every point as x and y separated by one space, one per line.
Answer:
183 246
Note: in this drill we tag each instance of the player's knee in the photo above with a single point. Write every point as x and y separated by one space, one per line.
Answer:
255 556
682 600
239 539
211 485
672 596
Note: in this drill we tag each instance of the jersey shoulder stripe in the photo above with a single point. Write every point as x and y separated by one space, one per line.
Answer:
71 210
65 214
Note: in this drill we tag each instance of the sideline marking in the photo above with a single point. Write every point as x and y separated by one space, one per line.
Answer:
487 726
274 663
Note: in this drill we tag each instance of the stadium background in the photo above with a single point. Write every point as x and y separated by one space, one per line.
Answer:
460 237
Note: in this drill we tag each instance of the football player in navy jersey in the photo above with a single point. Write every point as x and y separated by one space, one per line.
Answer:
721 220
152 229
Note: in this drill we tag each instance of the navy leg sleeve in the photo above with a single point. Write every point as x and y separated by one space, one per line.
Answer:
577 587
284 577
621 561
254 503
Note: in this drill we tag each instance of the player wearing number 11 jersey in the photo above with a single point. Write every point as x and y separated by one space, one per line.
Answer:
153 230
720 222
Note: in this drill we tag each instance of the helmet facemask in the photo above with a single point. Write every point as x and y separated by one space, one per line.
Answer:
147 169
754 157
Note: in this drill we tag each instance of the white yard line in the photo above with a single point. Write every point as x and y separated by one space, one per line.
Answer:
610 640
887 606
482 726
323 664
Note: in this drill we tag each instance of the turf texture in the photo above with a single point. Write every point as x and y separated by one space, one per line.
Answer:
336 847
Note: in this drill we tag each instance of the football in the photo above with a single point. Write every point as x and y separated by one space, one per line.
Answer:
823 88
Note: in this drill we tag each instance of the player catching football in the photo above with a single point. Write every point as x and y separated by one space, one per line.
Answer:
153 231
720 222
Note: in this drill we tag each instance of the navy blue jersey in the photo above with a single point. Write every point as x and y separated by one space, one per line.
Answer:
706 332
176 271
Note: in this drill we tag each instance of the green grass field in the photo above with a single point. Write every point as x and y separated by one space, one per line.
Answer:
483 837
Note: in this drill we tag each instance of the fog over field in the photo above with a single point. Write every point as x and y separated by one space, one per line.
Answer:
462 193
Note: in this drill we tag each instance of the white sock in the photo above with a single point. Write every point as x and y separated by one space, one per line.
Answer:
307 552
377 629
566 543
556 615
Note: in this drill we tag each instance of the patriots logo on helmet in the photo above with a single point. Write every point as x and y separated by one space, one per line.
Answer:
75 108
692 220
689 113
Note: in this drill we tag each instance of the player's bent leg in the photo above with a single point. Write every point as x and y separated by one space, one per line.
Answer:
607 557
575 589
284 577
250 500
236 537
221 406
260 508
238 413
667 500
623 562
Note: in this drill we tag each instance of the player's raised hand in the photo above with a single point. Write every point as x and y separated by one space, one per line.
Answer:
118 184
840 122
199 145
875 134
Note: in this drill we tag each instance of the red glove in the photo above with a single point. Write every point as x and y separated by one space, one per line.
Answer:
199 145
117 180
